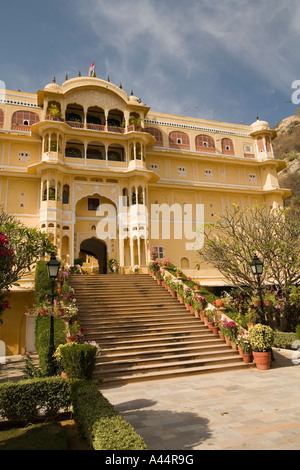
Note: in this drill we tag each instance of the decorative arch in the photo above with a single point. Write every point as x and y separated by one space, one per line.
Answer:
227 146
98 249
205 143
24 119
185 263
179 140
157 134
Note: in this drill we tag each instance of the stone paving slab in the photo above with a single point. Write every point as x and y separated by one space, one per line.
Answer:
242 410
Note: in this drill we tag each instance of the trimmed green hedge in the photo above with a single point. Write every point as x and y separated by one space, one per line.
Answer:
284 340
42 338
99 422
27 400
42 332
78 360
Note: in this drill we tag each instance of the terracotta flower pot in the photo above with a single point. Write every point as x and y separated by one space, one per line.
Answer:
256 303
268 303
240 350
219 303
180 299
197 314
215 330
262 360
249 325
227 340
221 335
210 324
71 339
247 358
233 345
205 319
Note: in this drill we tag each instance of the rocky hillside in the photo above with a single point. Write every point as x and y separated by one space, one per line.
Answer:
287 147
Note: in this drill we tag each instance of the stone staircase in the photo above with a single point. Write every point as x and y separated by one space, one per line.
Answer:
144 333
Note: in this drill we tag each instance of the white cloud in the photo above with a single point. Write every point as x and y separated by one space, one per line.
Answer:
149 45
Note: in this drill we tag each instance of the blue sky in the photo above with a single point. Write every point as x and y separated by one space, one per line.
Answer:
227 60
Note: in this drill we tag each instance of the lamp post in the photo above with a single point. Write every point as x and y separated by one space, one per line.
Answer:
257 267
53 266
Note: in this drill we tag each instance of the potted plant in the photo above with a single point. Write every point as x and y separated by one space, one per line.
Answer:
256 301
230 333
219 302
178 273
173 289
73 332
261 338
269 299
187 297
197 307
180 293
245 346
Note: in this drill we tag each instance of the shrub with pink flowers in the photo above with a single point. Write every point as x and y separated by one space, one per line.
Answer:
230 330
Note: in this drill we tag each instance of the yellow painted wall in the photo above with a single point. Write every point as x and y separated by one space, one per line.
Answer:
13 330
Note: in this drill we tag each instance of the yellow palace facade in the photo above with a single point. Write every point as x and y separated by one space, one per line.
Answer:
69 151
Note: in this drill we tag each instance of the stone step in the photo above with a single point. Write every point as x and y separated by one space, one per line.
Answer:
153 340
166 366
186 354
109 355
134 347
144 333
175 373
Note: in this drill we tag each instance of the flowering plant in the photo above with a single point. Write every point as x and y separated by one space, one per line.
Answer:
230 329
243 342
74 329
187 295
203 301
165 262
135 269
261 337
154 266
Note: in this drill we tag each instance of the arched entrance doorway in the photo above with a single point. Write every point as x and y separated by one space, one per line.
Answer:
97 248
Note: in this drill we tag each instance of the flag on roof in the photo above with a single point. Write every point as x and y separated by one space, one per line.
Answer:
92 70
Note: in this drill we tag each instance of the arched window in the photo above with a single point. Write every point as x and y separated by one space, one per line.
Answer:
23 120
179 140
75 115
227 147
184 263
66 194
157 134
205 143
95 151
268 144
116 153
74 149
260 144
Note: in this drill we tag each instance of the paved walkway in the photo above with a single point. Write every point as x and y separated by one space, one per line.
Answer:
242 410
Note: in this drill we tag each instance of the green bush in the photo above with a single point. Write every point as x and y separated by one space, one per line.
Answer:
284 340
42 282
42 338
99 422
77 360
30 399
298 332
